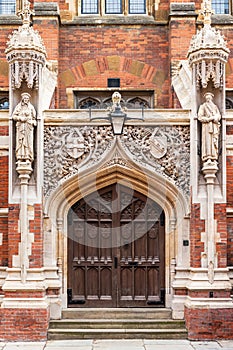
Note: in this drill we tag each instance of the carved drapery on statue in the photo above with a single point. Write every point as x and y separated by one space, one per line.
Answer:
25 116
209 116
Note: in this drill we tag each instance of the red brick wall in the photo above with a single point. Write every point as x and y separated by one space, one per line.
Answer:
229 203
24 324
209 323
221 247
13 232
4 202
35 226
138 56
196 227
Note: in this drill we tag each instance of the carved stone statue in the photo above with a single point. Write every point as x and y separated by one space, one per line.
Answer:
116 98
209 116
25 116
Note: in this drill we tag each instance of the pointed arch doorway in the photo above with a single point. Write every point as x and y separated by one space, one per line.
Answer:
116 239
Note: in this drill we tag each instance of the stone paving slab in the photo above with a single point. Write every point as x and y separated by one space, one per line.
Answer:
129 344
226 344
118 344
51 344
25 346
165 342
82 347
204 345
168 347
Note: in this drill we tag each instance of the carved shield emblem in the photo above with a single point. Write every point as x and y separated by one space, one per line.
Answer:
158 146
74 146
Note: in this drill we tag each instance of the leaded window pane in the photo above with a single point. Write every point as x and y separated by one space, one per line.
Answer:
137 6
90 6
113 6
220 6
7 7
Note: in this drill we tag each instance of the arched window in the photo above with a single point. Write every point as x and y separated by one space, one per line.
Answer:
89 103
7 7
221 6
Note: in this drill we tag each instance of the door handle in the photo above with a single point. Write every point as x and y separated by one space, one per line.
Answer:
115 262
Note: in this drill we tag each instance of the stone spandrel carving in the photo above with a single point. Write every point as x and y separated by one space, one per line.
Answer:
170 157
209 116
68 148
25 116
166 149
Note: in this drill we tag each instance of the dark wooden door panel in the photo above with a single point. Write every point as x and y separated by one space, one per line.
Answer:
116 250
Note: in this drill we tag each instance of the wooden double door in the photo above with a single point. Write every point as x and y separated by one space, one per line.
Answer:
116 250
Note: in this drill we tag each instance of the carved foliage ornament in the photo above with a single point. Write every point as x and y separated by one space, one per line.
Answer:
164 148
69 148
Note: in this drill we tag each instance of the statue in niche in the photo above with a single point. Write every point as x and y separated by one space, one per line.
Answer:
209 116
25 116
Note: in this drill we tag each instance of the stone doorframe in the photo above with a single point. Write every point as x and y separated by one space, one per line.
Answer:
107 171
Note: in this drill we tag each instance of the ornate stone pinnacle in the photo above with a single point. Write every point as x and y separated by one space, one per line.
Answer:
26 13
207 11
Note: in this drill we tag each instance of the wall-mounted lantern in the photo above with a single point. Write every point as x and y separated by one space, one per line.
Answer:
116 114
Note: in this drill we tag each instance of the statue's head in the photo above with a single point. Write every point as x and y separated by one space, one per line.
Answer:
209 96
116 97
25 97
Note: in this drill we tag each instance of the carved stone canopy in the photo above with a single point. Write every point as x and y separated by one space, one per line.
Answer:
208 53
25 52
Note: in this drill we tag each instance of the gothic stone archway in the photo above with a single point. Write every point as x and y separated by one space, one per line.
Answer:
116 250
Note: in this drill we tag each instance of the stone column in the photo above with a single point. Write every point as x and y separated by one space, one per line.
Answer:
24 170
25 300
208 301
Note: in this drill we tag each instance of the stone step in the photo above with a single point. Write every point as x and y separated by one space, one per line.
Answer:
116 313
112 333
116 324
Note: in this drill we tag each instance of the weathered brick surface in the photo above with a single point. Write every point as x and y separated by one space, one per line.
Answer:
196 227
24 324
138 56
221 245
209 324
13 232
230 242
35 227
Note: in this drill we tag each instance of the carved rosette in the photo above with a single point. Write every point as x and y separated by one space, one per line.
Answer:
165 149
207 56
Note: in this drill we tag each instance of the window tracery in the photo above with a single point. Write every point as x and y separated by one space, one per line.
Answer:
103 99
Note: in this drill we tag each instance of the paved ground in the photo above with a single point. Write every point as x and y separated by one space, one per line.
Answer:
120 345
